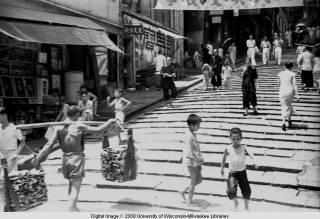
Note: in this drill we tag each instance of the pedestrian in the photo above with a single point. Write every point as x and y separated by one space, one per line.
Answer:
197 59
192 156
226 72
160 61
167 83
288 36
237 168
265 47
207 72
209 46
206 58
91 97
249 84
10 136
120 104
305 64
277 49
233 55
86 107
71 140
316 68
217 68
251 44
220 52
300 49
287 91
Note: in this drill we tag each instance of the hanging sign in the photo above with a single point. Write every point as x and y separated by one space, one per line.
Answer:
133 29
212 5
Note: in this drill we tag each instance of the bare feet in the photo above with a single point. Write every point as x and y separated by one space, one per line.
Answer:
74 209
183 196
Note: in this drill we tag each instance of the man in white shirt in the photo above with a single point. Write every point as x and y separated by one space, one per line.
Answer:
251 44
277 48
305 64
9 137
265 46
160 61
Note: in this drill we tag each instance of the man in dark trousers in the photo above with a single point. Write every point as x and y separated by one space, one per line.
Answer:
167 83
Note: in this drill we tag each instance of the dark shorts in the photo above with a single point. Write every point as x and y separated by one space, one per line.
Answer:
241 179
195 174
73 165
307 78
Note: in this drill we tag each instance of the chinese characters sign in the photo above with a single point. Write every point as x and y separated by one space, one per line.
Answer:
224 4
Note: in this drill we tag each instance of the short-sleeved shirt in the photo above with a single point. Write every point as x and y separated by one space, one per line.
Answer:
191 150
8 138
251 43
160 61
227 71
305 61
316 67
277 43
265 44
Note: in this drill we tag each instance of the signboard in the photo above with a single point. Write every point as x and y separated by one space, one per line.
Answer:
133 29
216 20
149 38
161 39
213 5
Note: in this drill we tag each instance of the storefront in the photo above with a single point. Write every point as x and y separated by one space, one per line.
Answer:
37 57
142 41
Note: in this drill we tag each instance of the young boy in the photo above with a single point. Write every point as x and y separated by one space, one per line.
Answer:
86 107
237 165
120 104
91 97
192 156
71 140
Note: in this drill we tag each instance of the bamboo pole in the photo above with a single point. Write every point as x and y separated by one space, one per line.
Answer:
48 124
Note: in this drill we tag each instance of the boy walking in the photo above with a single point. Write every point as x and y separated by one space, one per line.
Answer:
192 156
237 165
71 140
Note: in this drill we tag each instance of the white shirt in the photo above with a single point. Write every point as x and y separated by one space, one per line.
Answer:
316 67
305 61
277 43
192 155
160 61
251 43
237 162
8 139
210 49
265 44
226 71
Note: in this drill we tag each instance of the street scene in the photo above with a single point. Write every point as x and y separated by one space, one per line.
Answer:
159 106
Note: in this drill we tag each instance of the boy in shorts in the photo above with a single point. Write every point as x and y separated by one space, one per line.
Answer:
192 157
237 165
71 140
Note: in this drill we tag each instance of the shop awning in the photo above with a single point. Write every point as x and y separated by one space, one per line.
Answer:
168 33
56 34
225 4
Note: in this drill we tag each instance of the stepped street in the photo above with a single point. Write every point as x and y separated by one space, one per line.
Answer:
287 178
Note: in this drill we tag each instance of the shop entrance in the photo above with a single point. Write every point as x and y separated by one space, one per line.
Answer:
128 63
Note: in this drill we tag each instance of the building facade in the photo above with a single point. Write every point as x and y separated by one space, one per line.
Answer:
146 31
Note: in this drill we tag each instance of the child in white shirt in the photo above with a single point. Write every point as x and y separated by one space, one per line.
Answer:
206 71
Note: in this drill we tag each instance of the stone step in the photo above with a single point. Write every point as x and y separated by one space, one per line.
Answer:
248 128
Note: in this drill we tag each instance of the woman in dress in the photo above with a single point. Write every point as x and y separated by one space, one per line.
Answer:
233 55
249 83
287 90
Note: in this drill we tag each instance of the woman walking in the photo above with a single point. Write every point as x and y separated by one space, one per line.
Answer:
251 44
217 68
287 90
249 83
305 64
233 55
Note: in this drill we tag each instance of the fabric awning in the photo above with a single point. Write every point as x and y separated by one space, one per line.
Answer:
212 5
56 34
168 33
